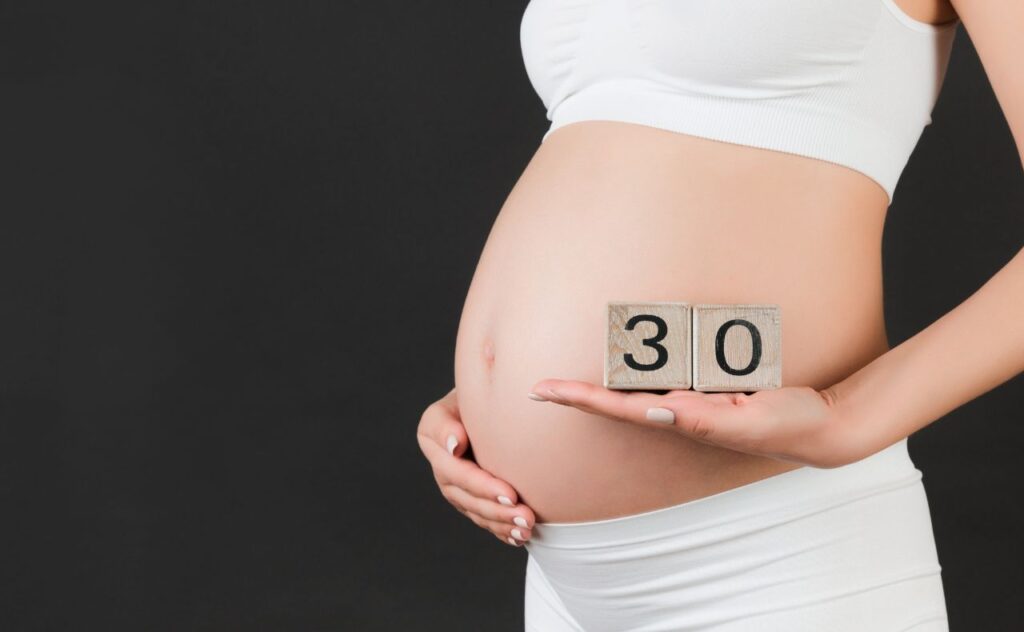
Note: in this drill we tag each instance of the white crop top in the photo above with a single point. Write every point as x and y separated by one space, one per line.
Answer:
852 82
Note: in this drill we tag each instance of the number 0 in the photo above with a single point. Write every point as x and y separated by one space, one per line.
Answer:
755 356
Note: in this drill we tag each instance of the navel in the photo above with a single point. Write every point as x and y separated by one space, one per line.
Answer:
488 352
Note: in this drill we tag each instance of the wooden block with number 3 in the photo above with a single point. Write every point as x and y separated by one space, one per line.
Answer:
737 347
648 346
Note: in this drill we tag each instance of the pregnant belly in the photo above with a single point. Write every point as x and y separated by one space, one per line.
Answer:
611 211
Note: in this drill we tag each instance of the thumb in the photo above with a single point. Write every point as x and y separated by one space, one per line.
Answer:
455 440
451 434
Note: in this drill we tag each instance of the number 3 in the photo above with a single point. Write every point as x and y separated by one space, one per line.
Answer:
649 342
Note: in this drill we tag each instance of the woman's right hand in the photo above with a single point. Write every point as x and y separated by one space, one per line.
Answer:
489 502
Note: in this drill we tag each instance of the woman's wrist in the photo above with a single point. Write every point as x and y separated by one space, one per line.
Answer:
970 350
860 421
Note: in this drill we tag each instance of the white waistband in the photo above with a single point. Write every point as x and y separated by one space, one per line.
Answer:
770 500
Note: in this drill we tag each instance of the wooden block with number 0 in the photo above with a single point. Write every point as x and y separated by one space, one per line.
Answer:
648 346
737 347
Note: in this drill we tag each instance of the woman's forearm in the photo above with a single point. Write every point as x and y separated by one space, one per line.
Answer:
969 351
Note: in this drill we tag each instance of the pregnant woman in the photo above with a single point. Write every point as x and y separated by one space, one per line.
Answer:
720 151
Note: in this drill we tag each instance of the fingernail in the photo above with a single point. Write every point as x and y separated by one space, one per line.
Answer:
505 500
512 541
537 398
661 415
451 443
517 534
520 522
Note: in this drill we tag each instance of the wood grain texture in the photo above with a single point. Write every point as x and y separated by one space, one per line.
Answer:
671 354
737 347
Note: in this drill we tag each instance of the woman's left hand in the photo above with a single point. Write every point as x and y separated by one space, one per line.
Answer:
797 424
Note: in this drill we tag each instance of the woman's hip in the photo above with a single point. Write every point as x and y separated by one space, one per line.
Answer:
848 548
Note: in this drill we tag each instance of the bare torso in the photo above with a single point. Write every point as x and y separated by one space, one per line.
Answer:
613 211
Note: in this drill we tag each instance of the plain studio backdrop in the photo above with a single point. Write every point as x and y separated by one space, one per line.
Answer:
235 242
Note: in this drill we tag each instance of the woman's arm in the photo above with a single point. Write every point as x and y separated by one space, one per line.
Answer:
970 350
973 348
980 344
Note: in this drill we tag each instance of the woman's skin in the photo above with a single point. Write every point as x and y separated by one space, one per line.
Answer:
613 211
661 217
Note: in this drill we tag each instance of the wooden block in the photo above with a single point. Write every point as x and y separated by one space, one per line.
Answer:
648 346
737 347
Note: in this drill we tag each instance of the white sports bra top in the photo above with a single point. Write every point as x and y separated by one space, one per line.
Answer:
852 82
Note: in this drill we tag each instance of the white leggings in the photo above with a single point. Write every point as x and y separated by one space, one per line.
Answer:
847 549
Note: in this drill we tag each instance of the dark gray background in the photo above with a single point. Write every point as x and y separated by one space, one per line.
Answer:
235 238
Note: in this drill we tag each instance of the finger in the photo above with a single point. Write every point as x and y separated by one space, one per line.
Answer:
719 418
468 475
618 405
503 531
499 530
508 541
447 494
502 519
441 424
